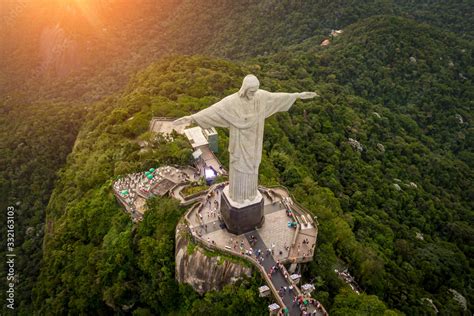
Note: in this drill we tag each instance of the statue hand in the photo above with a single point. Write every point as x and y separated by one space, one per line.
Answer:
185 120
307 95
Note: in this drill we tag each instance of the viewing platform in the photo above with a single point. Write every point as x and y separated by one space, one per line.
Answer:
134 189
288 236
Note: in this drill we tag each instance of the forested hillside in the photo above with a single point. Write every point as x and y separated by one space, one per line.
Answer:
384 157
98 44
406 193
96 260
35 140
384 211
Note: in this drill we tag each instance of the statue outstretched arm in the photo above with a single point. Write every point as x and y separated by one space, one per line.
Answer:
281 101
307 95
208 117
185 120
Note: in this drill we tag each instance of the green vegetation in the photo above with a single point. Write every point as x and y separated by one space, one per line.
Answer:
238 299
397 213
351 192
35 140
350 303
191 247
190 190
223 256
97 59
93 252
397 217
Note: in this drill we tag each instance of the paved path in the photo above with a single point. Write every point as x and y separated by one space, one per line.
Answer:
278 279
204 222
210 227
272 207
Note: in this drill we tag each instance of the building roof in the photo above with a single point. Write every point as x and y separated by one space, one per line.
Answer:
195 136
165 125
209 131
197 153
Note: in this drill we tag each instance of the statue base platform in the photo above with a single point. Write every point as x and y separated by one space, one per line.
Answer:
241 217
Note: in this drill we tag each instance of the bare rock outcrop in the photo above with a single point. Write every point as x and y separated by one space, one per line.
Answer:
204 273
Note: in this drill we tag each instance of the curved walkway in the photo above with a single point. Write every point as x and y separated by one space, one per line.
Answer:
278 280
207 228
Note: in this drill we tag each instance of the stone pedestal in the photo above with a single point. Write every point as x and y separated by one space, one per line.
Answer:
241 217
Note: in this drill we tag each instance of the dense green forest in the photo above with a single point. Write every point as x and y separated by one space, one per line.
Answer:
414 173
395 206
96 260
371 205
35 140
122 37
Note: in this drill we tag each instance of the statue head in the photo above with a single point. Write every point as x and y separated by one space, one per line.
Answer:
250 85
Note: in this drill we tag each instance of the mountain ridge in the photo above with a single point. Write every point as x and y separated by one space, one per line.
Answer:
95 259
367 239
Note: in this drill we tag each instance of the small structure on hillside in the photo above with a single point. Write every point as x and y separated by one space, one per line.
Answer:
199 137
134 189
274 308
204 142
212 138
295 278
336 33
349 279
164 125
307 288
264 291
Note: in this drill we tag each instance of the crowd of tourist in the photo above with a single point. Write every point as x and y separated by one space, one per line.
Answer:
208 213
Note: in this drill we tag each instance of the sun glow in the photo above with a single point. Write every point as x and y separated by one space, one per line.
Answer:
90 10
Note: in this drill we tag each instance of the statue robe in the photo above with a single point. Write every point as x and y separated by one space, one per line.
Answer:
245 120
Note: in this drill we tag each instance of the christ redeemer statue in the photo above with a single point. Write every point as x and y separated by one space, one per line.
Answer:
244 113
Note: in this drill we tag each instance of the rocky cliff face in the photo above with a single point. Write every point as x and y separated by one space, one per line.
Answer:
202 272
